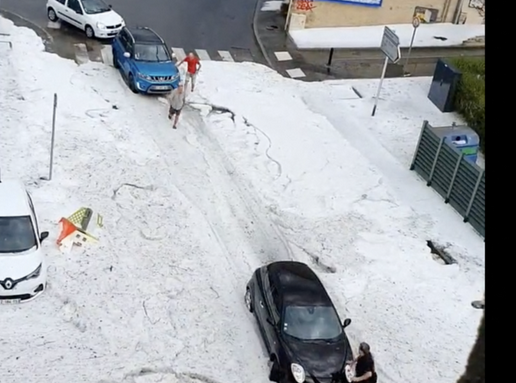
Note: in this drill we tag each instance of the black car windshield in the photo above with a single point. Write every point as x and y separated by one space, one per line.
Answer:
92 7
149 52
312 322
16 234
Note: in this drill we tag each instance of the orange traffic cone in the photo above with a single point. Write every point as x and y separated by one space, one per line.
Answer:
66 229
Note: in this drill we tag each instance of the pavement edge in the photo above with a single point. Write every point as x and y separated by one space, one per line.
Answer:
257 37
41 32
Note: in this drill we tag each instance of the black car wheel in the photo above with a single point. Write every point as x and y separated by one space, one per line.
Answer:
132 85
248 300
51 14
275 374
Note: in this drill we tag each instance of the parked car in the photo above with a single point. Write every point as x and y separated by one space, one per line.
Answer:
23 270
144 60
94 17
299 324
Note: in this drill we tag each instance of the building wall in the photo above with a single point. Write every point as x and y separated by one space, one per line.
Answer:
329 14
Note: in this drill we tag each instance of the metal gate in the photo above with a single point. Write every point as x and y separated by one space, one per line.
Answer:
460 182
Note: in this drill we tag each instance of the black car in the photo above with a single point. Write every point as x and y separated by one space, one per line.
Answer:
299 324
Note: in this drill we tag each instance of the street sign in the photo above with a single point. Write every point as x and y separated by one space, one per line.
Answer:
391 49
391 45
416 22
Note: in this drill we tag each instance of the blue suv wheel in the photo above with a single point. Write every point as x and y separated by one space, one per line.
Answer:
132 84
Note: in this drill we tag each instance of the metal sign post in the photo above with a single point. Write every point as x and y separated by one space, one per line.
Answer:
391 48
53 138
416 22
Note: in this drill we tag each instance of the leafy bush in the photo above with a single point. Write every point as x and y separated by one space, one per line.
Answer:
471 94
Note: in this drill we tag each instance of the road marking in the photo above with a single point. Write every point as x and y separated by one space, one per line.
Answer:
283 56
203 54
179 53
226 56
54 25
81 54
295 73
107 55
273 5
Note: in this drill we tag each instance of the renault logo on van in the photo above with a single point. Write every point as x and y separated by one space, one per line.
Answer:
8 284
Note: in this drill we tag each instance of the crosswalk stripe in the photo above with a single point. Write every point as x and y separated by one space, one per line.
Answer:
226 56
203 54
107 55
81 53
54 25
179 53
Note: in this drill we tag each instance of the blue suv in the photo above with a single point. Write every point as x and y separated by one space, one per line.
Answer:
144 60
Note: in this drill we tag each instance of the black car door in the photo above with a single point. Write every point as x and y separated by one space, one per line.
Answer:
260 308
272 311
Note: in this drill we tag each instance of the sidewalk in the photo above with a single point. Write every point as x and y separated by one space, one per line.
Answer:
282 54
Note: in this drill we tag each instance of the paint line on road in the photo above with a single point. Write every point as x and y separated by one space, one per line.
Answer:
54 25
274 5
81 54
107 55
296 73
179 53
283 56
226 56
203 54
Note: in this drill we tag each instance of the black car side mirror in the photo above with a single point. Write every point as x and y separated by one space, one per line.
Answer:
269 321
110 6
346 322
43 236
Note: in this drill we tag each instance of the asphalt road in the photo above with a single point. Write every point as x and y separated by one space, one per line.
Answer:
187 24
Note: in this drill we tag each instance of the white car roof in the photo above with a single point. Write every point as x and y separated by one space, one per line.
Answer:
13 199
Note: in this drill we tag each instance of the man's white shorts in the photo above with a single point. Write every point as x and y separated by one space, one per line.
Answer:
191 77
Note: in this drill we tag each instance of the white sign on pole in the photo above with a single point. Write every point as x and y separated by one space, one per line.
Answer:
391 45
391 48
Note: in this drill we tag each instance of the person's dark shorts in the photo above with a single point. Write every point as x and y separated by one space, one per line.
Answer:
173 112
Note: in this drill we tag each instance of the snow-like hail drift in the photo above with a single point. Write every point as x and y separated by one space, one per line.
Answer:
261 168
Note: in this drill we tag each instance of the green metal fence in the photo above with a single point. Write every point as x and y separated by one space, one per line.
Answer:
460 182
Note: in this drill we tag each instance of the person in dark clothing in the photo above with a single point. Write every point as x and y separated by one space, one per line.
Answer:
364 365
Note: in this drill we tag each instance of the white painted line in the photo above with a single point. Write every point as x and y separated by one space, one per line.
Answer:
226 56
203 54
81 54
54 25
295 73
283 56
107 55
274 5
179 53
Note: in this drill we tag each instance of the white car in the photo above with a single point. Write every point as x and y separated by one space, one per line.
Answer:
23 270
94 17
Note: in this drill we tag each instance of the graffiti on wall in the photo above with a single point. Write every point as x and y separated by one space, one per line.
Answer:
480 6
477 4
305 5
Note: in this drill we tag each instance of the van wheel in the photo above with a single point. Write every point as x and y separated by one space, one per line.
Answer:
51 14
90 33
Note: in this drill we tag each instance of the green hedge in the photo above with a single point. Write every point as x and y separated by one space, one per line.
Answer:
471 95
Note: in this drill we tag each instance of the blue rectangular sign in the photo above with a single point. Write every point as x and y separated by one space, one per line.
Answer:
364 3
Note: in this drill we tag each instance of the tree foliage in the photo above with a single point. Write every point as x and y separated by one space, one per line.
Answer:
470 99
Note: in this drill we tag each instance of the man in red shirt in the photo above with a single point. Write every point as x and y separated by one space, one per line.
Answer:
194 65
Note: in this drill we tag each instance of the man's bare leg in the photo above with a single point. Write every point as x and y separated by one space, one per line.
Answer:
176 119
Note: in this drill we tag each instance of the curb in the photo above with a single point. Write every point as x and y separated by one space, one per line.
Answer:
256 35
31 25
